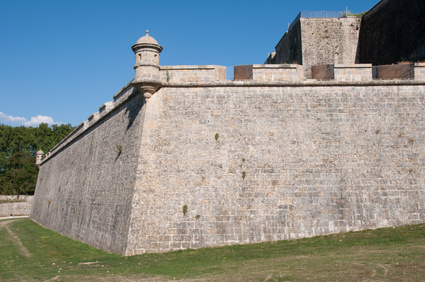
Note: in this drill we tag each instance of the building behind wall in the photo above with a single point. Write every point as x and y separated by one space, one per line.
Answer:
318 38
392 32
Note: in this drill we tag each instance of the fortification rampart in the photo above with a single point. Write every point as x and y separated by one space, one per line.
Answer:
260 73
182 158
208 162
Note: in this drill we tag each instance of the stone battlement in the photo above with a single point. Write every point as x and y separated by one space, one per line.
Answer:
254 75
181 74
367 72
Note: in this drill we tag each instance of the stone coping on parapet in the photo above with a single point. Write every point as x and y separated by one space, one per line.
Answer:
305 83
129 91
189 67
192 73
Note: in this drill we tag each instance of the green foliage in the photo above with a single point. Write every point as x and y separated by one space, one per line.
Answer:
358 15
243 174
217 136
184 209
18 146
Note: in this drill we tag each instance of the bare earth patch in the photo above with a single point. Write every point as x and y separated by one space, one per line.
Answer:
16 239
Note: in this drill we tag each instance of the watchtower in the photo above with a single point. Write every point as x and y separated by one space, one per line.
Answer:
146 65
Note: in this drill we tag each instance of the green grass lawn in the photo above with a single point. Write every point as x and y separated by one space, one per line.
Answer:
30 252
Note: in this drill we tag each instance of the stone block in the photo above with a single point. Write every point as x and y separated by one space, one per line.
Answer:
419 71
353 72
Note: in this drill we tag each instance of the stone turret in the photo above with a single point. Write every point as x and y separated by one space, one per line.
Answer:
147 78
38 156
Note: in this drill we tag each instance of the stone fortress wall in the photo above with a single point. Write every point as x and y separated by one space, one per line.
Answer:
18 208
251 159
183 158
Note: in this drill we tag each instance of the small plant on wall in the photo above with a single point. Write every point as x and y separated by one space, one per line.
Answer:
184 209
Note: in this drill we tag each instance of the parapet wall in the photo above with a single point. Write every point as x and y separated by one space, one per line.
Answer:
15 208
367 72
268 156
269 73
178 74
262 73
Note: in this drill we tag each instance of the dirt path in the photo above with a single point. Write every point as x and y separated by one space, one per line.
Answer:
16 240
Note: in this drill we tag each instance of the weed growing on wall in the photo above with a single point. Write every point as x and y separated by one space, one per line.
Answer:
167 74
184 209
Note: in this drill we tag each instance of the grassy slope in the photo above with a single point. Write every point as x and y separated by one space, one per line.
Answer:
389 254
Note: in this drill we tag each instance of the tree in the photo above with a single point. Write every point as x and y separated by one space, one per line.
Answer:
18 146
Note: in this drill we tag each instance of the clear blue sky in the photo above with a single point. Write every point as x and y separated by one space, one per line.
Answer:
60 60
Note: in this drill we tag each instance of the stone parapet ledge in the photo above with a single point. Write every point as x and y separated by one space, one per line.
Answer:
353 72
128 91
270 72
419 71
195 73
124 93
93 118
105 108
304 83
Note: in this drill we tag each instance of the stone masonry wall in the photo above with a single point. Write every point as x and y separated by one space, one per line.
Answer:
16 208
419 71
208 73
243 163
354 72
329 41
85 188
